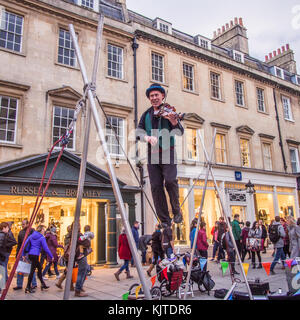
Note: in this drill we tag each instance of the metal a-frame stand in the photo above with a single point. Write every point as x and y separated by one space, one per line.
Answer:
223 212
90 89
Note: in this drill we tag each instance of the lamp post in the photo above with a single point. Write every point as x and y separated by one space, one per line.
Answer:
250 189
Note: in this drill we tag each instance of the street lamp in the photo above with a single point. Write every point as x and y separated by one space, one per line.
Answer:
250 187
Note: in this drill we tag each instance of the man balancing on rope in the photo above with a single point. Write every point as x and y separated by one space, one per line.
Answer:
158 131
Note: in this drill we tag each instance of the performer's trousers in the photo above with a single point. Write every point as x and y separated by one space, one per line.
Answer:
164 175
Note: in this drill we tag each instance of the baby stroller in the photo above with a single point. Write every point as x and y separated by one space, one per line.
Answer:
202 278
175 277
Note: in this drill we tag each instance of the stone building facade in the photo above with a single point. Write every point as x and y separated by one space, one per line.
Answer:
252 104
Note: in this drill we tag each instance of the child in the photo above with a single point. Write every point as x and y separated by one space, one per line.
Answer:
87 235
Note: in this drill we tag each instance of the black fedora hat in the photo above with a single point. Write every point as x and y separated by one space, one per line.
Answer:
155 86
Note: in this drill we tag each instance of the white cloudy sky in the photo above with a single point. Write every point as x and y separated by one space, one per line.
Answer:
270 24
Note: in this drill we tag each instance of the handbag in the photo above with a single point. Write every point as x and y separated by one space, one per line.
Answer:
253 244
23 267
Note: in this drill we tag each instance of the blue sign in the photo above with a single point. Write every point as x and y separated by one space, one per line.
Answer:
238 175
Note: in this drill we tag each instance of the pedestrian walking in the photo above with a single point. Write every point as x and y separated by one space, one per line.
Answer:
158 131
10 242
236 230
21 236
286 239
230 249
135 233
294 237
33 245
51 239
43 256
255 243
269 228
144 241
276 235
157 249
193 229
244 236
221 231
124 254
4 228
215 241
264 235
202 244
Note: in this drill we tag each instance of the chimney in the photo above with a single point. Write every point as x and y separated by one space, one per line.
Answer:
266 58
233 35
283 58
215 34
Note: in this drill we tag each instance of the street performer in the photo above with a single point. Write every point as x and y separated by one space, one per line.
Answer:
158 132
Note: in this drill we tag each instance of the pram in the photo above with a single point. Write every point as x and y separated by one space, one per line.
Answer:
201 277
175 273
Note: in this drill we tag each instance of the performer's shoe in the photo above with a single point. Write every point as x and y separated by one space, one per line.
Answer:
178 218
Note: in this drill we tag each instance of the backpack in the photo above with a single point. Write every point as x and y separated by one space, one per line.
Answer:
274 235
220 293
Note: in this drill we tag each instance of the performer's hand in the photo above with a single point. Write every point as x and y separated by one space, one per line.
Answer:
152 140
172 118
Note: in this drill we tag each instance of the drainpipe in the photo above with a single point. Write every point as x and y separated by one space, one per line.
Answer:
139 165
279 131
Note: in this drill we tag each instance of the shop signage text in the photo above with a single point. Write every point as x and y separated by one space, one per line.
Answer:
60 192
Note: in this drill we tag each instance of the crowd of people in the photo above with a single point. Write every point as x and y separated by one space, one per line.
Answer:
42 245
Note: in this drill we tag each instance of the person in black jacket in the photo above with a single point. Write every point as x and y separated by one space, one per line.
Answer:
221 231
143 242
4 228
21 236
159 131
264 235
157 249
10 243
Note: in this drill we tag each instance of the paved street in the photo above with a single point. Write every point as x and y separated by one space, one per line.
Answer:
102 285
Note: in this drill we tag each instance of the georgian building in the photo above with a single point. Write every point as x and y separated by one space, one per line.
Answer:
252 104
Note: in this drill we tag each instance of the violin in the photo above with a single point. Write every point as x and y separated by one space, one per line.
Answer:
166 109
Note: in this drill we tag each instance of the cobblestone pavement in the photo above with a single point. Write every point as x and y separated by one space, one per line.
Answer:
102 285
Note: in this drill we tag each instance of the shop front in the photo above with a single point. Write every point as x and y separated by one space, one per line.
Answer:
19 183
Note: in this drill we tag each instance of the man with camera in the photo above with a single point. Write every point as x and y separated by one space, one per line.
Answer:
159 131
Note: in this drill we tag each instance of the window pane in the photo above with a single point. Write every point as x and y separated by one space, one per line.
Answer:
157 67
11 31
115 61
66 52
245 152
118 129
8 118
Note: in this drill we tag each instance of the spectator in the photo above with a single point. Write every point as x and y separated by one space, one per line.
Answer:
202 244
229 246
44 256
143 243
135 233
279 244
4 228
36 241
10 243
271 223
193 231
125 254
21 236
255 233
244 237
264 235
236 230
294 235
286 239
52 243
157 249
216 243
221 231
167 241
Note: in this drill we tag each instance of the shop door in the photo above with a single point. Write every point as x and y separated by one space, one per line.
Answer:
241 210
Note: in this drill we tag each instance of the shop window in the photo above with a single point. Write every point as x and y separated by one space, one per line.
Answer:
8 119
245 152
286 205
181 231
265 207
11 31
115 147
62 118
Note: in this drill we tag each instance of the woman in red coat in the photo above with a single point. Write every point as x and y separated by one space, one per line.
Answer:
202 244
125 254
